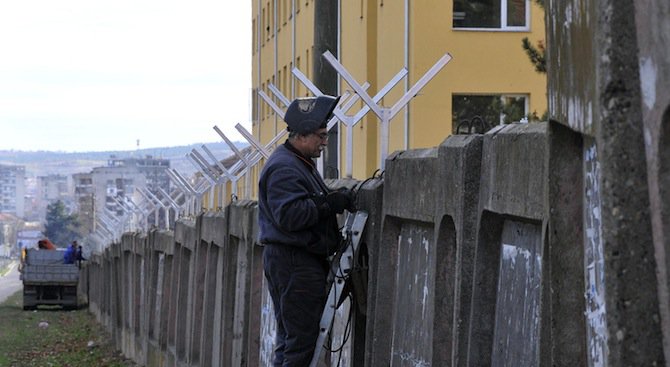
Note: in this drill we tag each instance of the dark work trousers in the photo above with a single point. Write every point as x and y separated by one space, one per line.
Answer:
297 284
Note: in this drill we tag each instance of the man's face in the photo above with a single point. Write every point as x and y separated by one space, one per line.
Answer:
315 142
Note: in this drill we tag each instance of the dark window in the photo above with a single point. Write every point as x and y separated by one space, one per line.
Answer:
493 14
479 113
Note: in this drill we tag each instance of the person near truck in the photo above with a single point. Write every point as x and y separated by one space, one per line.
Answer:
298 228
79 255
70 255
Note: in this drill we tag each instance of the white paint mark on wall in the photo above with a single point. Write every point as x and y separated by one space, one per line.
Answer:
594 260
517 319
411 360
511 252
568 16
413 299
268 328
648 77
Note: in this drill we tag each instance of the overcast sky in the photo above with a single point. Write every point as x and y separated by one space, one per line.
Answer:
80 75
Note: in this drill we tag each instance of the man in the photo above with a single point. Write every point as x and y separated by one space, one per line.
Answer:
298 226
70 253
79 255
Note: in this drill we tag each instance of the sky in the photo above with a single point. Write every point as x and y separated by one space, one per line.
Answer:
92 75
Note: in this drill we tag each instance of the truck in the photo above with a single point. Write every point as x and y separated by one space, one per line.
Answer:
47 280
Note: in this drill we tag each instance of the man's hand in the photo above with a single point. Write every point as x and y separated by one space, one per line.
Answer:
340 200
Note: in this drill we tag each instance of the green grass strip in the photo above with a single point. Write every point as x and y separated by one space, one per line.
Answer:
25 340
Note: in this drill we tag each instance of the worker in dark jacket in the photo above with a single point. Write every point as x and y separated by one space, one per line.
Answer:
298 227
70 255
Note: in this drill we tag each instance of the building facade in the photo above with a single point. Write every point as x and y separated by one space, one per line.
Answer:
12 190
488 81
84 198
115 185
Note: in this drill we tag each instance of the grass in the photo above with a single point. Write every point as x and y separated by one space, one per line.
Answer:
64 343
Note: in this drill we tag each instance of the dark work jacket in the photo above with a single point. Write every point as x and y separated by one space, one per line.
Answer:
287 215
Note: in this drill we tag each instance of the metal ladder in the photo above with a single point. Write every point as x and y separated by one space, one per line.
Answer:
340 269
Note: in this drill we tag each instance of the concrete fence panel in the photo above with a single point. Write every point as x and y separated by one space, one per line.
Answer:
408 239
242 239
486 250
457 181
505 321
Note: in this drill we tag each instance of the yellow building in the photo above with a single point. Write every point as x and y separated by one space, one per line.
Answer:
379 38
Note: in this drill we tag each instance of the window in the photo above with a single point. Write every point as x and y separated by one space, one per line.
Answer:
279 81
265 26
289 75
307 61
492 14
479 113
274 97
254 102
272 15
298 85
263 108
254 44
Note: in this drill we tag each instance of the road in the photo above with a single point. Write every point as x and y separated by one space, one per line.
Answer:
10 283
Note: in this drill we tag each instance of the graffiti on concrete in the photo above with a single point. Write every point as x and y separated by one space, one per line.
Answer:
268 328
414 315
594 273
517 330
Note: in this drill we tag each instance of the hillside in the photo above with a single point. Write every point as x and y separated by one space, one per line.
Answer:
40 163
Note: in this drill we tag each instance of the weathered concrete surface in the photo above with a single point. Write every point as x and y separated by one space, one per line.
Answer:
564 261
618 82
572 59
653 39
487 250
513 174
376 320
408 240
458 181
424 278
505 314
243 233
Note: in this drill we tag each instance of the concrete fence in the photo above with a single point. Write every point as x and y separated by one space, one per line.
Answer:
486 250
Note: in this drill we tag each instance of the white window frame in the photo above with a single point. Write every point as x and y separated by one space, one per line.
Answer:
503 21
526 104
502 96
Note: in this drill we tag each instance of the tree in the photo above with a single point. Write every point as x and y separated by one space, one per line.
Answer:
60 227
536 54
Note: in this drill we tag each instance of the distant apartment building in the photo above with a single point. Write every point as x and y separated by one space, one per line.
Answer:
12 190
84 198
116 184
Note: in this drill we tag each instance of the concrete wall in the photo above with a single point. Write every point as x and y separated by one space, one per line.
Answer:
608 80
486 250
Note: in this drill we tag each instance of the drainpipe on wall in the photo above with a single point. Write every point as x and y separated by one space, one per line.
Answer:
325 77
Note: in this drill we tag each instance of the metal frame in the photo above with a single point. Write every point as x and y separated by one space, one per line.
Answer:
385 114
